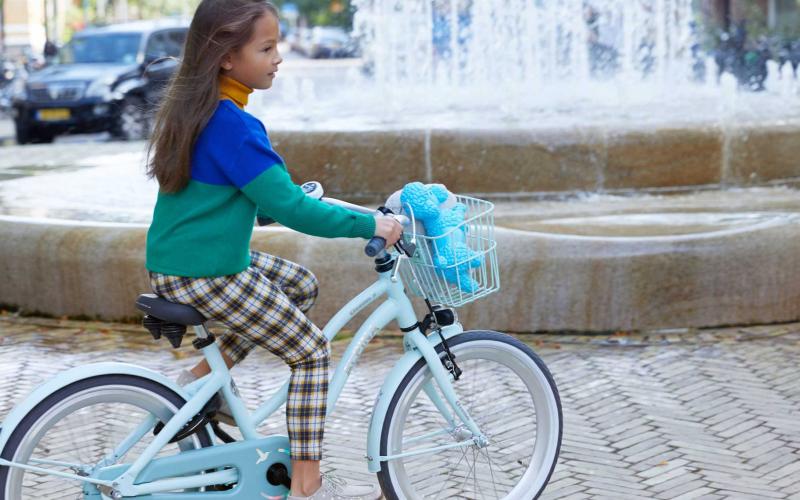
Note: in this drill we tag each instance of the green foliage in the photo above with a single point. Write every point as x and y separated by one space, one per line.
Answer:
315 12
84 13
324 12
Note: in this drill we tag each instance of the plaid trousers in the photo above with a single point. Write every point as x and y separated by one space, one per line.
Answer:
265 305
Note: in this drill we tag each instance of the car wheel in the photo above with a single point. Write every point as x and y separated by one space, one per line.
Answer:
23 132
133 121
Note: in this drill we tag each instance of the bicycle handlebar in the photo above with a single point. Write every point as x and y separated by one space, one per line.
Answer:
375 246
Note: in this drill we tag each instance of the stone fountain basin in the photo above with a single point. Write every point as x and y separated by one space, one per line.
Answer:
589 273
723 254
649 225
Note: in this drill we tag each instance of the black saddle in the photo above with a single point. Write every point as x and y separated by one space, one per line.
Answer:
155 306
169 319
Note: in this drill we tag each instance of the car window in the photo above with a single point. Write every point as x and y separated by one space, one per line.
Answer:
107 48
176 39
157 45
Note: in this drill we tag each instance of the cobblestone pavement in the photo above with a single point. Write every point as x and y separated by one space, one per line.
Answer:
707 414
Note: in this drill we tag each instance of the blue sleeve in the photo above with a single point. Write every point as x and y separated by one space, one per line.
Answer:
254 157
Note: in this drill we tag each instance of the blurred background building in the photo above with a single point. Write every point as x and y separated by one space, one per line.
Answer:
775 14
26 25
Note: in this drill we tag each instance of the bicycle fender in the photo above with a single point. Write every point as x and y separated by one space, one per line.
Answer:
389 387
73 375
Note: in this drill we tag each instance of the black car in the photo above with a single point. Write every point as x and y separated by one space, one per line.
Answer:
104 79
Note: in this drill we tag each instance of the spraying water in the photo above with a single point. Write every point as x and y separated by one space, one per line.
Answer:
523 64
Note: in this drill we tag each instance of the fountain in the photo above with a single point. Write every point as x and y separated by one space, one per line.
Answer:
578 115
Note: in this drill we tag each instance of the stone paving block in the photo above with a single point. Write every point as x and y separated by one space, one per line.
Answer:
741 490
560 484
691 495
572 491
666 476
774 459
766 446
608 459
713 446
642 383
749 438
682 488
643 450
788 484
677 485
739 428
661 469
637 438
792 489
602 493
628 483
728 477
656 460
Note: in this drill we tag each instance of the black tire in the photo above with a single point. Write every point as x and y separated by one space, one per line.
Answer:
384 477
25 425
25 134
133 121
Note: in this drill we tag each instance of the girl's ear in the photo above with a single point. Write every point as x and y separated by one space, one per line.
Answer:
227 62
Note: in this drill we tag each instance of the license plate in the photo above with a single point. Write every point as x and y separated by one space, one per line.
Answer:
53 115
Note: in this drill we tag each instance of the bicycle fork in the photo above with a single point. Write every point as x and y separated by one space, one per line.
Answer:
444 378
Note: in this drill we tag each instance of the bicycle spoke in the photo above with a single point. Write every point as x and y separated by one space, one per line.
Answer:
491 470
444 483
506 398
466 476
78 431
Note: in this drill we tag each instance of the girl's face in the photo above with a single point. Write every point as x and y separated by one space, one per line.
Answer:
256 62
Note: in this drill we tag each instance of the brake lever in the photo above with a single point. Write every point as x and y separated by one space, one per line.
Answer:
407 249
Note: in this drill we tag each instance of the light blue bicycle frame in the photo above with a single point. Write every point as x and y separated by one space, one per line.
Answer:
397 307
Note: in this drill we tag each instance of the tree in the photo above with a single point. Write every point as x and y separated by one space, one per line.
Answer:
324 12
2 27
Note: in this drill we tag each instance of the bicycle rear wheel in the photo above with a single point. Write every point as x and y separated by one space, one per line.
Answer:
512 397
81 424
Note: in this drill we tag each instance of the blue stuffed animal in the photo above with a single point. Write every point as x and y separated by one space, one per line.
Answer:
452 256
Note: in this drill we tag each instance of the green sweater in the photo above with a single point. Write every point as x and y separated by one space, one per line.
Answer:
204 230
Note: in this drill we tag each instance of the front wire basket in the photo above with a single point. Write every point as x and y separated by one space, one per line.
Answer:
447 272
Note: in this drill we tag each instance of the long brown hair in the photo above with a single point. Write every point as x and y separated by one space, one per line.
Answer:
218 27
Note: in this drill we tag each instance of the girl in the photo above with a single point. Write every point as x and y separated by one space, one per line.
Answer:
216 170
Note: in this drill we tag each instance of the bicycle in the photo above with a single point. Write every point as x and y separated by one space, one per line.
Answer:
472 414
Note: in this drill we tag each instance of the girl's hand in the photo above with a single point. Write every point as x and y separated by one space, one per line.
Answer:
388 229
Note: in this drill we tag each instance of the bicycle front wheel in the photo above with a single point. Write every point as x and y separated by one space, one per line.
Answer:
508 392
81 425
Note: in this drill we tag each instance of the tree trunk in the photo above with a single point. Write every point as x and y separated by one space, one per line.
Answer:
2 28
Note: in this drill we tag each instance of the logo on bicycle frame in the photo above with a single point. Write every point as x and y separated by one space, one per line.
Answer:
348 367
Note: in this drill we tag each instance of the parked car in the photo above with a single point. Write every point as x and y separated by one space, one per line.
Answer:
104 79
325 42
9 74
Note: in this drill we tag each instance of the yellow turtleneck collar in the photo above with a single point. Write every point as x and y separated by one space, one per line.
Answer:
234 90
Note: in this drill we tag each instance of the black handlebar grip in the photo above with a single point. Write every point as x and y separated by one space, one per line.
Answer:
375 245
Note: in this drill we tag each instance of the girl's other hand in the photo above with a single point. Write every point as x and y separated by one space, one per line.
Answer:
388 229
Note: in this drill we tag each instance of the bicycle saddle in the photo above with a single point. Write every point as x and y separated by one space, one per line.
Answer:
168 311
